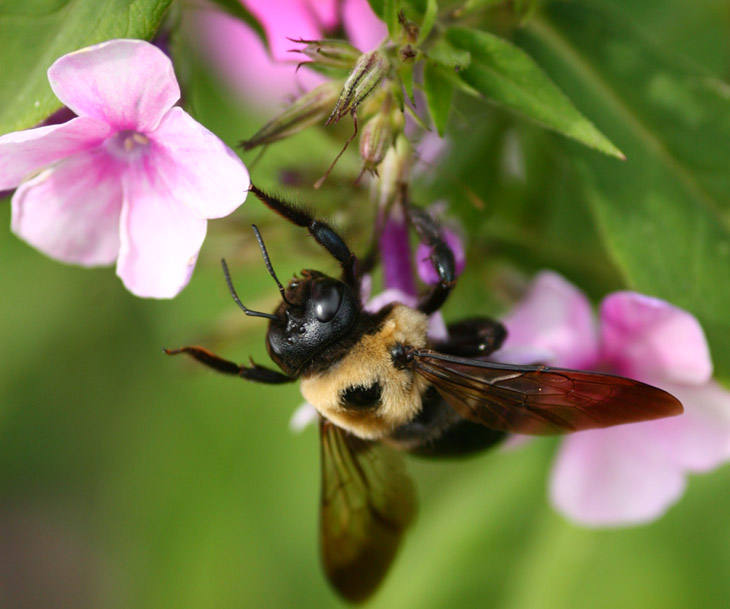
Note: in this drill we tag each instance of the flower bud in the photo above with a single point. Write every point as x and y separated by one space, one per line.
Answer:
309 109
329 53
394 172
379 134
369 70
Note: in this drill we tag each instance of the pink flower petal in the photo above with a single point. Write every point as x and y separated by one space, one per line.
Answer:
71 211
436 325
304 416
129 84
363 28
395 253
554 317
387 296
647 338
160 238
522 355
326 13
283 19
430 149
198 169
24 153
614 476
698 440
366 289
225 40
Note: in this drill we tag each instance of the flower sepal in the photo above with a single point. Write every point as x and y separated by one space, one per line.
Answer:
371 68
309 109
327 53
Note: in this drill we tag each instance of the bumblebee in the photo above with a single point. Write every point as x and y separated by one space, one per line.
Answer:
382 389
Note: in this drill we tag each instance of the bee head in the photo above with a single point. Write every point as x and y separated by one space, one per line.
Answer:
316 311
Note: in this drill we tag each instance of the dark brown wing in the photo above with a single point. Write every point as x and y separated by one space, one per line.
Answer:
540 400
368 500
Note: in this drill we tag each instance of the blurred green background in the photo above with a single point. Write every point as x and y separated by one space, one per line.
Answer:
128 479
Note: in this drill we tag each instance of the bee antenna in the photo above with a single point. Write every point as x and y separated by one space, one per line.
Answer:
237 300
267 262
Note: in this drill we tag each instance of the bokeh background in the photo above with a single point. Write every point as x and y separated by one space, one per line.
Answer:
129 479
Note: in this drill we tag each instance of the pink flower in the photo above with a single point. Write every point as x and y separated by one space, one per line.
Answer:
630 473
133 178
238 54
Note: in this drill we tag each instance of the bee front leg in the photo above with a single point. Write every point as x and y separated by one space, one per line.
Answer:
322 232
254 372
442 259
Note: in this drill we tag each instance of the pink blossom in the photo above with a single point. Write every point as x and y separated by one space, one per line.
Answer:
631 473
240 57
132 179
395 252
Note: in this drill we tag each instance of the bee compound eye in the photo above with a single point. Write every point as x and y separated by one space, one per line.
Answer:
327 298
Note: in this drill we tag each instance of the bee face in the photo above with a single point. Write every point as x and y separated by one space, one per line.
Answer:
317 311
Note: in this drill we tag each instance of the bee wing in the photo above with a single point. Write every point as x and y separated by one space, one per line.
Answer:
368 500
538 399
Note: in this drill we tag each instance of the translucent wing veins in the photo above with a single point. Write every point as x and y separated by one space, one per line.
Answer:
538 399
368 501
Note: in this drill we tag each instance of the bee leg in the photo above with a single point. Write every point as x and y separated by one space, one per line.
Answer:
442 259
254 372
473 337
322 232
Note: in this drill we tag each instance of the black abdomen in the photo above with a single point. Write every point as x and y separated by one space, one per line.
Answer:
438 431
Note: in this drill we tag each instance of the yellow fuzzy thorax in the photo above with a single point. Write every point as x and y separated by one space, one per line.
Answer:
367 363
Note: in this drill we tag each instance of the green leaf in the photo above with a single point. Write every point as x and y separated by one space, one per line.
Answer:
439 91
475 5
449 56
406 78
506 74
236 9
390 16
35 34
378 7
664 214
429 19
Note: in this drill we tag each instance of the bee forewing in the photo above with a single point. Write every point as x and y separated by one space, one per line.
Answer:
539 400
